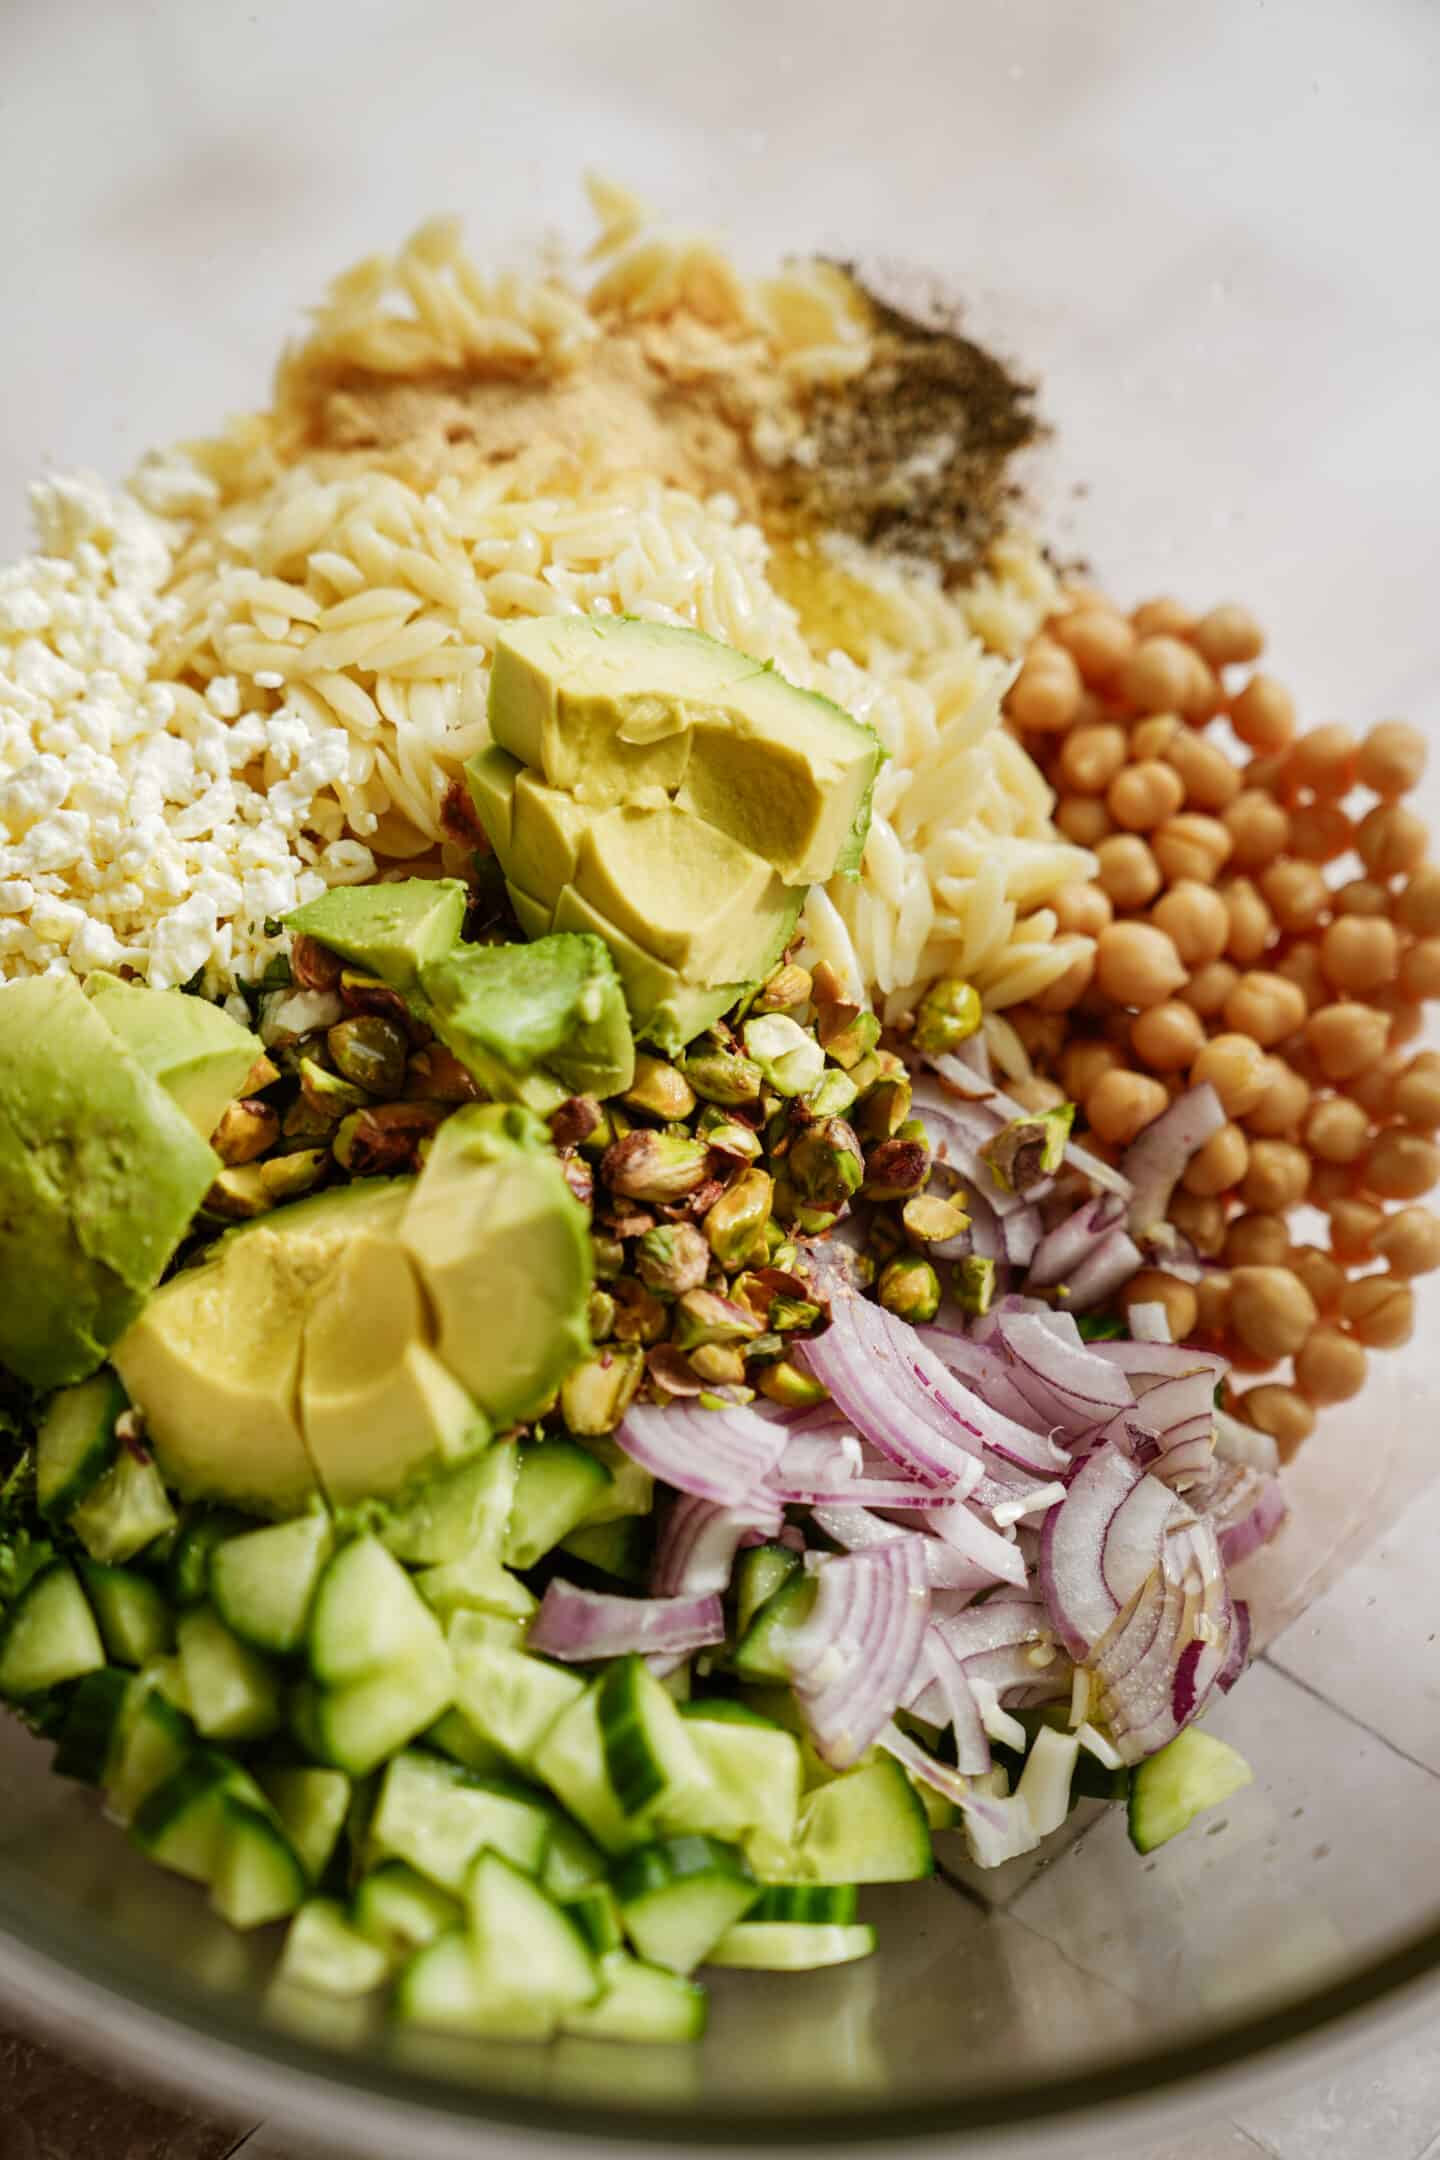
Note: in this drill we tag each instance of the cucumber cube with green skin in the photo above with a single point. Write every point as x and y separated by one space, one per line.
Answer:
134 1615
557 1485
395 1907
258 1877
323 1951
523 1946
811 1904
180 1824
678 1898
864 1827
187 1571
367 1617
264 1582
128 1510
763 1652
437 1816
92 1727
477 1583
650 1758
76 1443
312 1806
234 1694
509 1697
357 1727
50 1636
455 1736
788 1946
573 1864
639 2002
596 1912
755 1773
571 1761
1193 1772
441 1990
456 1514
153 1742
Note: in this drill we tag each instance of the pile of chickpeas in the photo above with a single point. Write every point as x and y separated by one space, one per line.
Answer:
1264 919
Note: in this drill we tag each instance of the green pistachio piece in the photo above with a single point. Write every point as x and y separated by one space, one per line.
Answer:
701 1316
247 1129
595 1397
672 1258
909 1287
371 1051
835 1095
929 1220
655 1166
659 1089
719 1074
785 1383
788 1055
974 1282
947 1015
738 1218
1029 1148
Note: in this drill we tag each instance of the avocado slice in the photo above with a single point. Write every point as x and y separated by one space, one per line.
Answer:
664 1008
567 699
533 918
503 1249
691 895
491 775
392 931
197 1053
535 1022
100 1175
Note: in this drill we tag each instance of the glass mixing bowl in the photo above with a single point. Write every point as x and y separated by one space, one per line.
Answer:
1194 226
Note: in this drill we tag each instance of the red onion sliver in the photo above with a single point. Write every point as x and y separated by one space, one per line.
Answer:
719 1455
858 1531
854 1659
1157 1156
578 1626
699 1539
1072 1546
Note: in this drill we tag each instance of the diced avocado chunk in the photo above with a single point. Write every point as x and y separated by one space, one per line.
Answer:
565 698
193 1049
535 920
100 1175
664 1008
545 840
491 775
697 899
505 1010
392 931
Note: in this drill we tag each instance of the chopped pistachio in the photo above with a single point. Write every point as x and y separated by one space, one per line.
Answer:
806 1218
673 1258
788 1055
246 1130
765 1349
371 1051
884 1108
897 1169
239 1193
751 1290
598 1393
719 1074
738 1218
600 1315
435 1074
835 1096
659 1088
385 1138
362 993
974 1281
703 1317
854 1041
726 1398
639 1315
262 1074
671 1371
722 1364
948 1014
578 1175
312 965
788 1314
785 1383
1029 1149
825 1164
728 1135
929 1220
609 1255
884 1238
327 1094
789 985
910 1287
783 1254
655 1166
300 1122
286 1177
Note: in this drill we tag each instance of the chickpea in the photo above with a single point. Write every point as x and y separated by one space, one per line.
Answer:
1391 759
1163 617
1401 1165
1322 1276
1205 697
1144 795
1090 757
1168 1037
1195 918
1220 1165
1081 910
1271 1311
1374 1090
1329 1366
1271 775
1083 819
1235 1067
1361 896
1336 1130
1257 1241
1201 1219
1191 846
1227 636
1267 1007
1121 1104
1300 964
1259 829
1069 987
1359 953
1296 895
1323 760
1098 640
1415 1098
1282 1107
1279 1411
1157 676
1417 904
1345 1039
1153 1287
1209 779
1379 1311
1263 714
1319 831
1409 1242
1208 988
1083 1063
1212 1304
1128 871
1044 695
1391 840
1403 1020
1154 737
1042 1035
1354 1227
1251 923
1277 1176
1136 964
1420 970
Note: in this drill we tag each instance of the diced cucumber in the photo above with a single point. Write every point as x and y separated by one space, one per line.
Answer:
180 1823
639 2002
136 1623
153 1742
188 1568
441 1990
1194 1771
125 1512
811 1904
678 1682
763 1651
865 1827
785 1946
312 1806
509 1697
477 1583
402 1912
356 1728
556 1485
438 1817
631 1490
940 1813
323 1951
621 1548
234 1694
456 1737
679 1897
91 1731
367 1617
650 1758
166 1675
571 1761
258 1876
596 1912
263 1583
754 1768
523 1945
50 1637
759 1572
76 1443
573 1864
460 1511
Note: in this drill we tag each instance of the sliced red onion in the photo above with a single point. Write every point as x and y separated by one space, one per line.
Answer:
1157 1156
1072 1546
1149 1322
853 1661
1020 1234
858 1531
998 1624
695 1556
1162 1360
949 1695
830 1456
1163 1654
578 1626
1133 1535
1070 1374
902 1493
1246 1507
982 1547
1166 1247
959 1132
1006 1109
1238 1442
1072 1241
1104 1271
985 1371
868 1360
719 1455
1006 1513
923 1767
1238 1656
